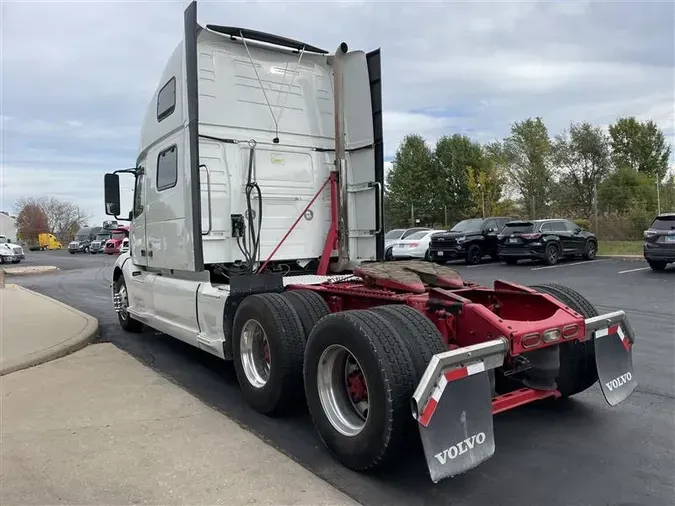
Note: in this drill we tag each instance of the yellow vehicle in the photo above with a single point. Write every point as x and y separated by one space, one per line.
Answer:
48 241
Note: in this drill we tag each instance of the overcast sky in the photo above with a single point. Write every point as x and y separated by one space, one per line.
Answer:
76 77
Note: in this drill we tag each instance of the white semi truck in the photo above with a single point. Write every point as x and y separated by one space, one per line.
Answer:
257 236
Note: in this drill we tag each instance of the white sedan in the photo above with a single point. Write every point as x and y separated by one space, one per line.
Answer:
414 246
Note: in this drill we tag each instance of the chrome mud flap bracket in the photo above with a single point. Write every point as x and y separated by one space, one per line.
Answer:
453 407
613 339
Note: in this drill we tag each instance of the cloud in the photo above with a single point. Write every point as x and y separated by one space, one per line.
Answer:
75 89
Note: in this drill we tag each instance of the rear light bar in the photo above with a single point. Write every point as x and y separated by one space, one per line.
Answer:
548 336
531 236
570 331
551 335
530 340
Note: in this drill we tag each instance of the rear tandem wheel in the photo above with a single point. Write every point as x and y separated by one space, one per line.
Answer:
577 359
359 377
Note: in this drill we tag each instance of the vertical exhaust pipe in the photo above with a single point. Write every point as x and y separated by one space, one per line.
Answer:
340 161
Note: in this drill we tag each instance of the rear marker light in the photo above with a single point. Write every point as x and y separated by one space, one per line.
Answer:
551 335
570 331
530 341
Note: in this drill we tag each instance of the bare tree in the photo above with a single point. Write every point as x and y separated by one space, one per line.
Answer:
63 218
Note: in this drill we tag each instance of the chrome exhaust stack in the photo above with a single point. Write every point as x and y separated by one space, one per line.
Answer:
340 160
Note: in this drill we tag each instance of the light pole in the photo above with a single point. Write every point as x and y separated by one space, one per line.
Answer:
482 199
658 195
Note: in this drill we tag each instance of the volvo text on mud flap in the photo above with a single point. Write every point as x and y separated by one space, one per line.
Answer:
453 408
613 340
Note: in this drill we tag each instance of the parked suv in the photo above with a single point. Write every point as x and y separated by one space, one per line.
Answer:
397 234
659 245
547 240
470 239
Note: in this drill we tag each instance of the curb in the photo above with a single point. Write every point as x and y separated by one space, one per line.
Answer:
622 257
26 271
70 345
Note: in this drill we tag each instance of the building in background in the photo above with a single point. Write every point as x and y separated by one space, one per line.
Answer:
8 226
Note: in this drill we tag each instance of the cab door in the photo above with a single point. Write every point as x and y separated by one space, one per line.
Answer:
137 236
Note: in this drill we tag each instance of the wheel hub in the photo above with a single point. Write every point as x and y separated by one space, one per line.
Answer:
255 354
121 301
343 390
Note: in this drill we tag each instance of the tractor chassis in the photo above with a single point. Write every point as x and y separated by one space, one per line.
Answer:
483 330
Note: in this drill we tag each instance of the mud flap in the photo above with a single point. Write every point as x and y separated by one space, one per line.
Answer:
453 408
613 340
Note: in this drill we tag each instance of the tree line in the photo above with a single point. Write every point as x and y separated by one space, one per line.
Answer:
36 215
613 182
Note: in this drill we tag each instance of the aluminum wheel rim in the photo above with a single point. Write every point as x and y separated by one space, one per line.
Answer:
122 292
337 372
255 354
552 254
591 250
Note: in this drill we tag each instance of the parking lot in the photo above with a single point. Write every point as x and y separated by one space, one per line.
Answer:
580 452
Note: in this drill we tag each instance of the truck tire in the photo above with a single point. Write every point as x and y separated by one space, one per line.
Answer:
127 323
577 359
423 341
268 345
309 305
355 360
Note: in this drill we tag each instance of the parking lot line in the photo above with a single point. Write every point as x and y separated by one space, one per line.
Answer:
635 270
569 265
484 265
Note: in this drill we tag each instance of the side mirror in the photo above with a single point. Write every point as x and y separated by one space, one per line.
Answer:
111 184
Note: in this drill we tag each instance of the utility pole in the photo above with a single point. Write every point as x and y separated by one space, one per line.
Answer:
482 199
534 215
658 195
445 214
595 205
412 215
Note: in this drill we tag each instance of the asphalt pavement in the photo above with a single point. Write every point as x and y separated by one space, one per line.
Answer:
580 452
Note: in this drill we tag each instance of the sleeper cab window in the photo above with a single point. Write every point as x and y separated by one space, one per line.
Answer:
167 168
166 99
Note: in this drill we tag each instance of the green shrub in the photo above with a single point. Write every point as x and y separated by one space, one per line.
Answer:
583 223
